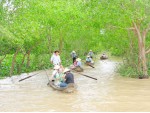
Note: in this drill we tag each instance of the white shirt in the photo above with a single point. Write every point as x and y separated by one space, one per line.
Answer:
79 63
55 59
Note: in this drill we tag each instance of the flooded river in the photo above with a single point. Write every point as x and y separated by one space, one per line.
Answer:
109 93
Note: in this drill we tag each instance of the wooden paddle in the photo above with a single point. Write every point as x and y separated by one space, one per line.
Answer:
85 75
28 77
47 77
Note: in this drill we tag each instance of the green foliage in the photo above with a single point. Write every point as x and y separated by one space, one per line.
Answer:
40 27
128 71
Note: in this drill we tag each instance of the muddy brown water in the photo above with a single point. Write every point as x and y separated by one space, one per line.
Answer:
109 93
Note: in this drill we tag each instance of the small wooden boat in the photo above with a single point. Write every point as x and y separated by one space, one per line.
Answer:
78 69
71 87
103 57
89 63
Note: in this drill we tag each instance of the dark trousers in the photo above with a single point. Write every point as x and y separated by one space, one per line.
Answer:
74 58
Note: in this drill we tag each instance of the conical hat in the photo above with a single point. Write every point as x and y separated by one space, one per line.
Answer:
66 69
73 52
78 59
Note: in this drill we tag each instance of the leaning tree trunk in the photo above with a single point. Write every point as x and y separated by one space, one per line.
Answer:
142 53
144 69
14 61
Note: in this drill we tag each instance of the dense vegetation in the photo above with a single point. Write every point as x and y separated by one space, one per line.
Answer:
30 30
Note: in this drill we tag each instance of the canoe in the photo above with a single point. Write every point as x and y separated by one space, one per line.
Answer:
71 87
103 57
78 69
88 63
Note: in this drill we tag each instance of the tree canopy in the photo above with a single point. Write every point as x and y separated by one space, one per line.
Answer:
33 29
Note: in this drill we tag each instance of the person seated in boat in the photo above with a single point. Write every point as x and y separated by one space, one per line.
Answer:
78 62
89 60
57 75
68 78
103 56
74 64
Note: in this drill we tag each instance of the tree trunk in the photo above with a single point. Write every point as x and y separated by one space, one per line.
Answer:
60 42
49 41
28 59
13 62
2 59
20 66
142 54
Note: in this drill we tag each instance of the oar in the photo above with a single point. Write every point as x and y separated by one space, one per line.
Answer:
86 75
47 77
28 77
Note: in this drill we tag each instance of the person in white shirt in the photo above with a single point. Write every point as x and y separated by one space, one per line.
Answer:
79 62
55 58
57 75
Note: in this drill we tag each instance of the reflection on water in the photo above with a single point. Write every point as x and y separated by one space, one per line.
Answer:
109 93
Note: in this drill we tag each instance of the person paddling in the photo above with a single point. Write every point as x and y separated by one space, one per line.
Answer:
69 78
89 59
79 63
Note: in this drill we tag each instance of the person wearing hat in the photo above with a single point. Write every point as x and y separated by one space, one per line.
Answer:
74 56
57 75
88 59
69 78
103 56
91 53
78 62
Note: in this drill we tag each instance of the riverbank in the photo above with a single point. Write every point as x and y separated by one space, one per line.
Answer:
109 93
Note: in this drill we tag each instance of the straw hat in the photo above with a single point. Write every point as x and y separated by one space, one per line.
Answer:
56 67
73 52
78 59
90 50
66 70
88 56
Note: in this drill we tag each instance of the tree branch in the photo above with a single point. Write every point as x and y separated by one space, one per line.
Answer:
148 51
131 28
2 59
148 28
145 31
